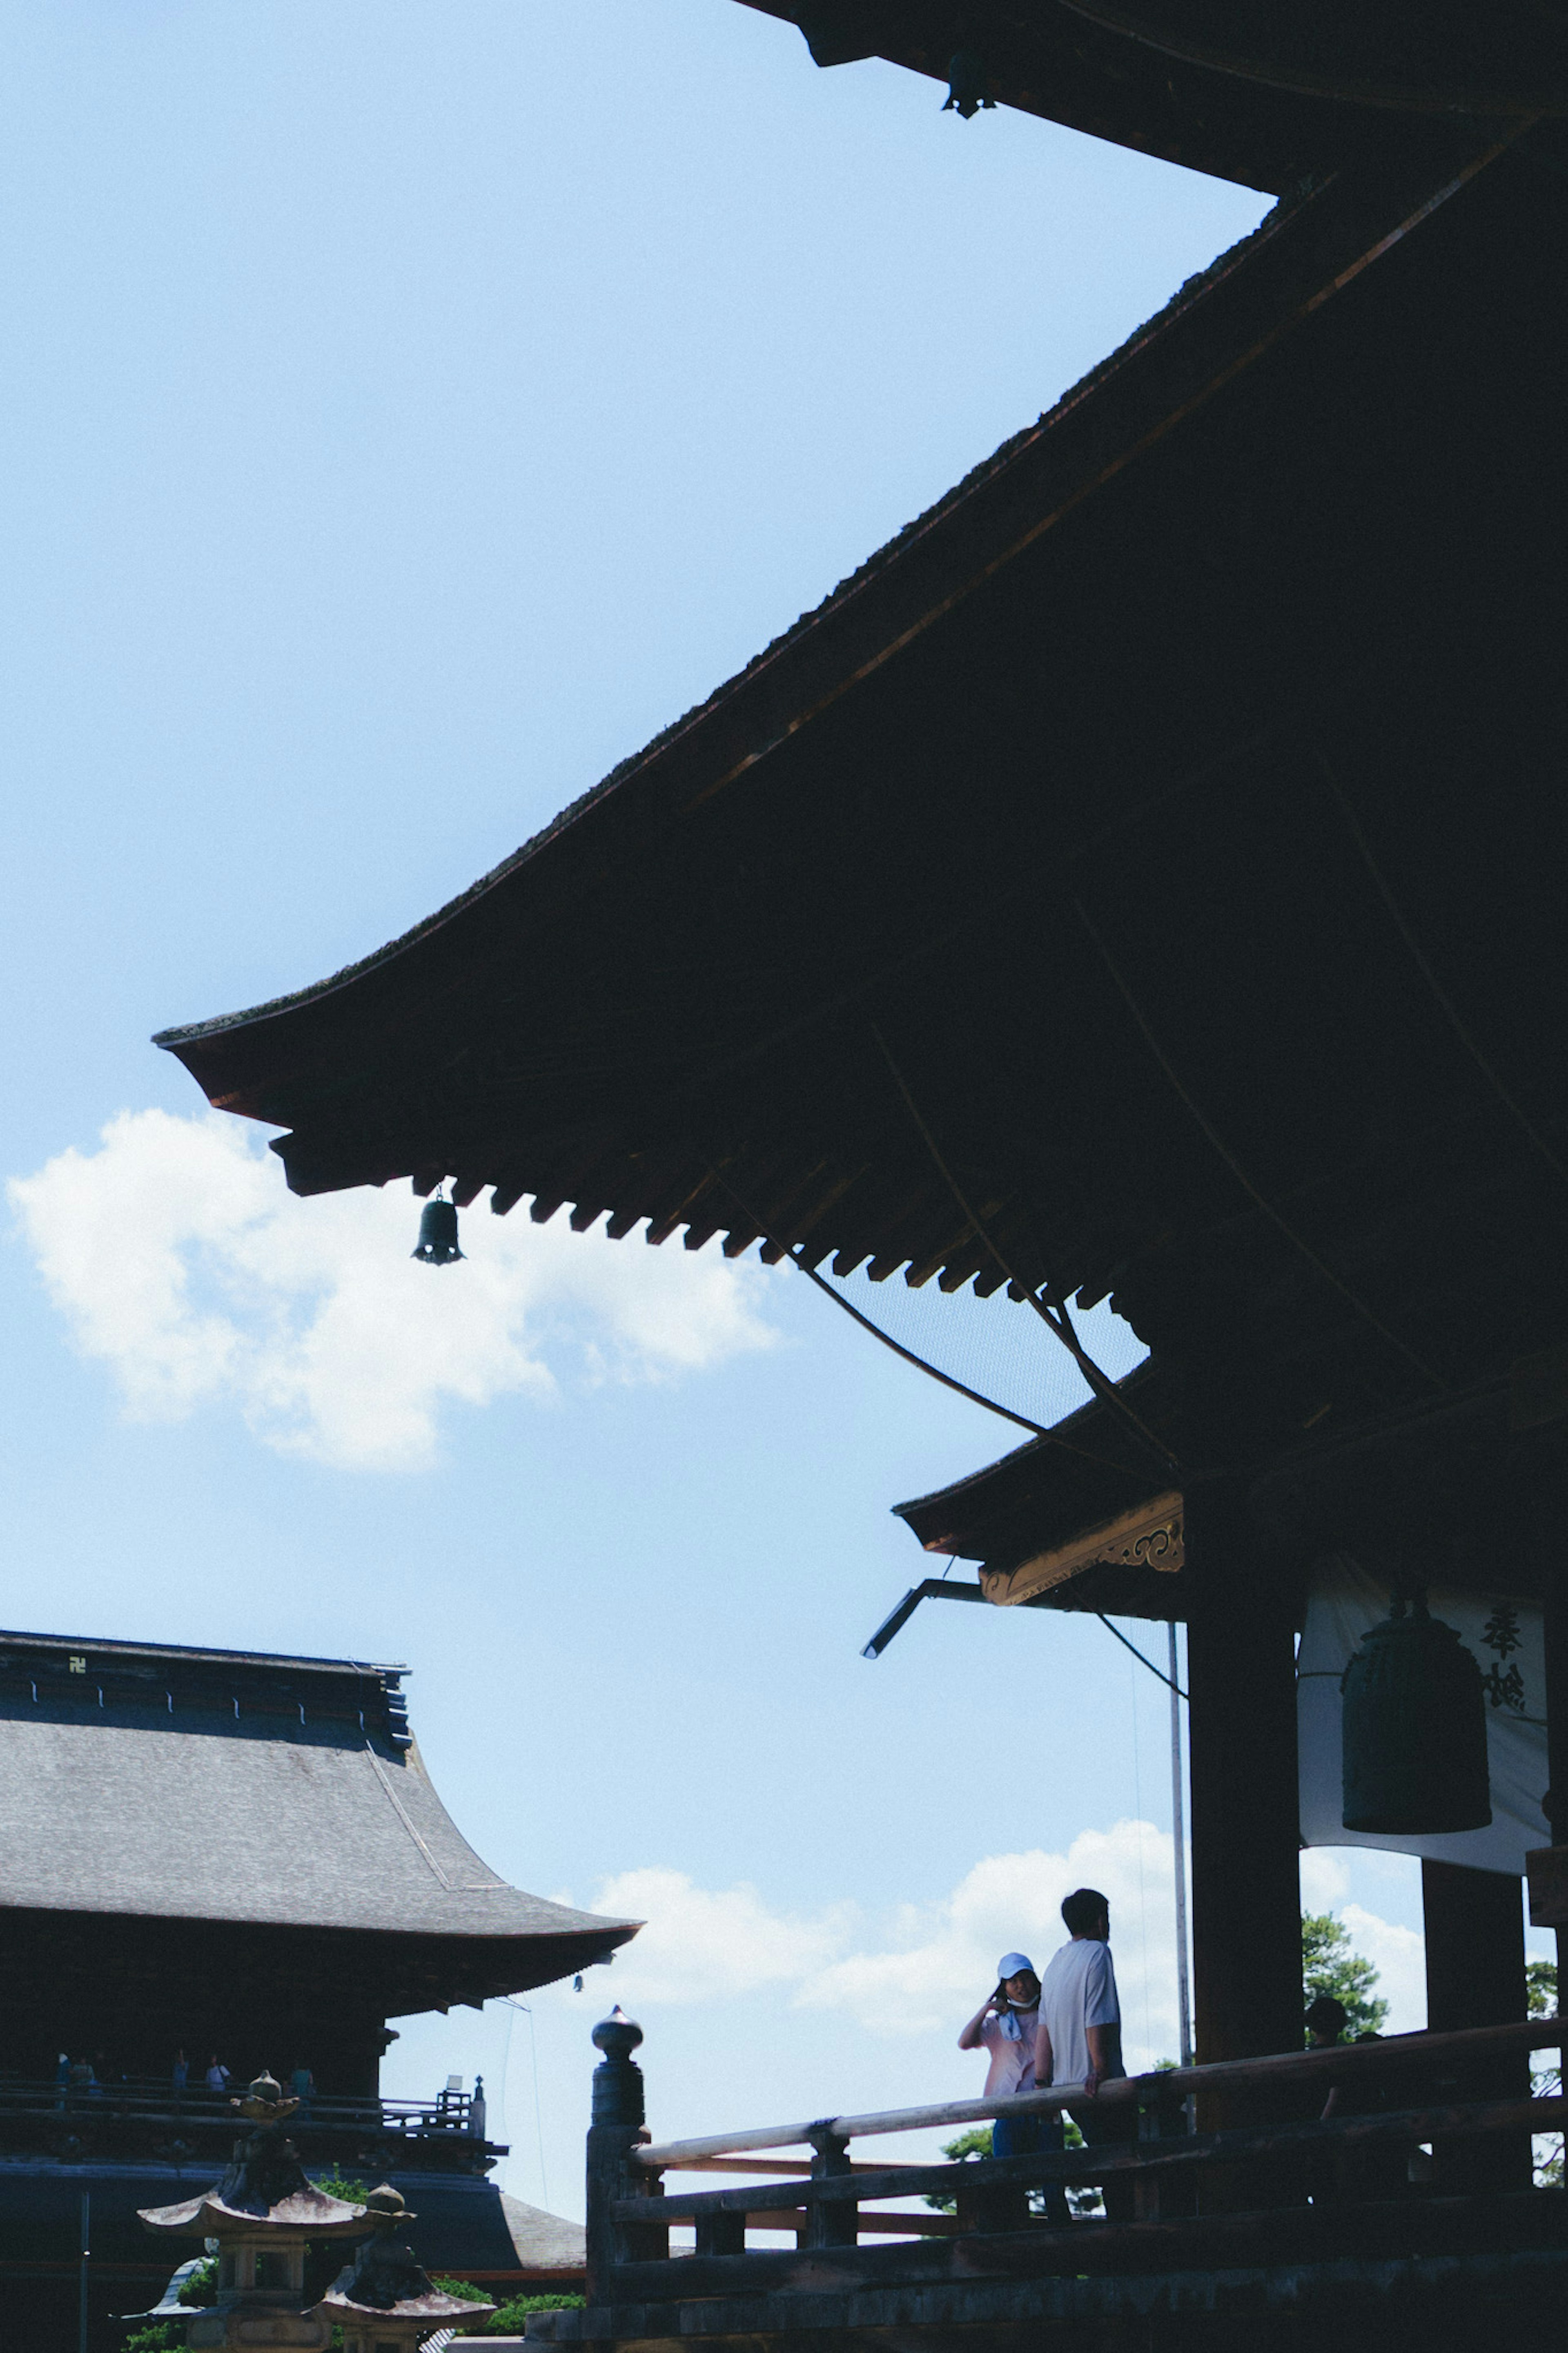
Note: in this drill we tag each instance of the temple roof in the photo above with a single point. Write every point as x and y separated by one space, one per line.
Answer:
541 2240
1136 880
1060 1523
1244 89
230 1786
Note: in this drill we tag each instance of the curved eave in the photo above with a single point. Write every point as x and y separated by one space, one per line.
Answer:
1047 769
1093 1465
1240 89
434 2307
267 1061
311 2212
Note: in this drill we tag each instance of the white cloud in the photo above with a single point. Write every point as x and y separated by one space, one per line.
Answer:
1399 1957
929 1966
705 1946
942 1959
925 1969
181 1261
1329 1877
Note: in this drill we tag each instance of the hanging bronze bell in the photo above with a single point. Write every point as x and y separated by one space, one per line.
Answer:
438 1244
1415 1730
967 89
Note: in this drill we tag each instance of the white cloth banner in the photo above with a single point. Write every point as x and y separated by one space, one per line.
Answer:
1505 1634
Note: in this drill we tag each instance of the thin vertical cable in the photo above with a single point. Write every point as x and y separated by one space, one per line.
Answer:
1142 1892
538 2118
1179 1842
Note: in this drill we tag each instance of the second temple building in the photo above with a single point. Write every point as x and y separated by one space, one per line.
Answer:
222 1858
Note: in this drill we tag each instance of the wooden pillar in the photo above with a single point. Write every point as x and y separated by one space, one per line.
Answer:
1475 1976
1556 1802
1246 1833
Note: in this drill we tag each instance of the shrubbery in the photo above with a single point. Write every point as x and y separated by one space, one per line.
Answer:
508 2321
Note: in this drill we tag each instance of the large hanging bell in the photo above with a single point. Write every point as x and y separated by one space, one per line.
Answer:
1415 1730
438 1243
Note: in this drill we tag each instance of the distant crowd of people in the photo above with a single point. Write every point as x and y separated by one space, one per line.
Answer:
89 2078
300 2082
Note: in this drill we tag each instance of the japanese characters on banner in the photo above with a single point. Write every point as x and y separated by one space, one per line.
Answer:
1504 1633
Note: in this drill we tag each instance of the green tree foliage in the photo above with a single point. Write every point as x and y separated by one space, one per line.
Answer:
202 2285
1541 1980
508 2321
1540 1977
1330 1965
446 2285
340 2185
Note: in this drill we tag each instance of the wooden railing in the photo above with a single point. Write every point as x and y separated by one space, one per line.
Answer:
148 2115
1392 2098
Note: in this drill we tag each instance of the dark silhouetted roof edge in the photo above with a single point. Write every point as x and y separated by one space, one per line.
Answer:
1190 291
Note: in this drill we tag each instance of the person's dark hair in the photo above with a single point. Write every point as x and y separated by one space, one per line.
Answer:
1083 1910
1327 2016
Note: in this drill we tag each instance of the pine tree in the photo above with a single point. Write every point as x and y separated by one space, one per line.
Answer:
1331 1966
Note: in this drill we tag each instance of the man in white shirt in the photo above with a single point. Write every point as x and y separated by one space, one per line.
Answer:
1078 2039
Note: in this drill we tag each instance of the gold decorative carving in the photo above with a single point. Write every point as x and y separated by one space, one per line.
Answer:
1149 1536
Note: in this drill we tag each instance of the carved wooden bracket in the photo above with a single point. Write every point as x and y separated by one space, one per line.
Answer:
1147 1537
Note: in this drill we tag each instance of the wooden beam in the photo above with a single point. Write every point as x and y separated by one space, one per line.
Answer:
1457 2121
1210 2241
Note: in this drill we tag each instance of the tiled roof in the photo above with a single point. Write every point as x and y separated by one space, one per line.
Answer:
223 1786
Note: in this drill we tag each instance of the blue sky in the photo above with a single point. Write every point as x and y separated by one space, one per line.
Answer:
407 411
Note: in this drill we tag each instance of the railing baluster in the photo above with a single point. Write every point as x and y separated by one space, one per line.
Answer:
614 2132
721 2234
1161 2116
835 2224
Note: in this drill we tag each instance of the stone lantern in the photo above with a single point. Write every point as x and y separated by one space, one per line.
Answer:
383 2301
263 2213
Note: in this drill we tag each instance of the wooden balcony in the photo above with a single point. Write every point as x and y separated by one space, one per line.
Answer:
1368 2190
143 2119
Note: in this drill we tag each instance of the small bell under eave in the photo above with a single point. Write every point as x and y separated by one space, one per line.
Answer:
1415 1730
438 1244
967 85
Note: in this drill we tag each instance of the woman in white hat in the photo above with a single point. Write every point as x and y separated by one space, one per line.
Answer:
1004 2025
